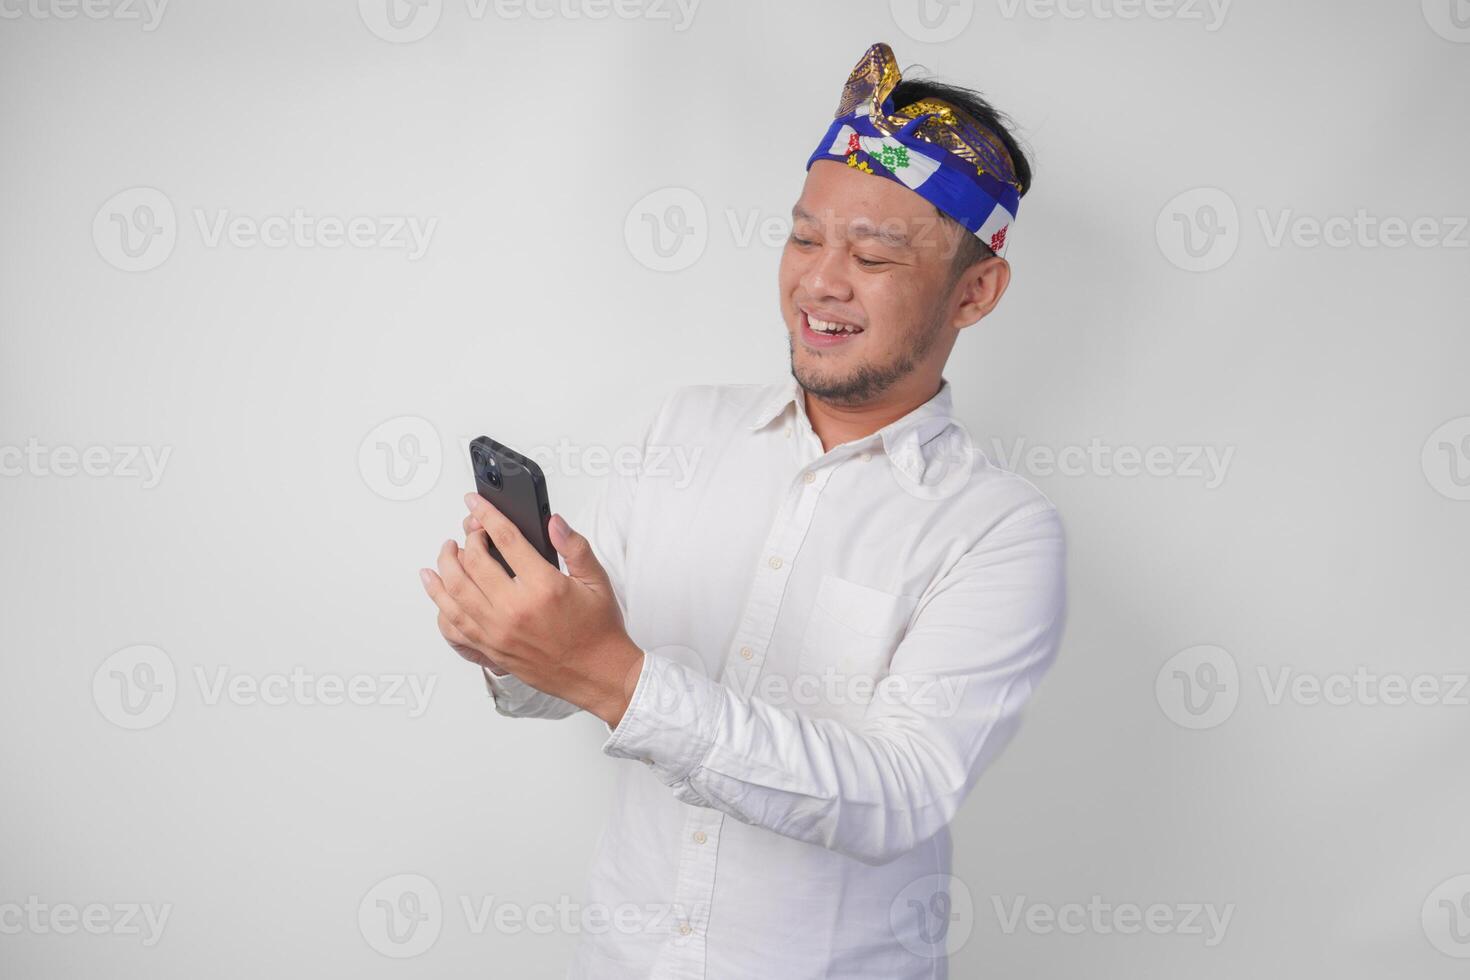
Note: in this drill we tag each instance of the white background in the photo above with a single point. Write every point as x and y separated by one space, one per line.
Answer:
1334 540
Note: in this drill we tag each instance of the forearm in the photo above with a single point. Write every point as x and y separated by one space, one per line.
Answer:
871 793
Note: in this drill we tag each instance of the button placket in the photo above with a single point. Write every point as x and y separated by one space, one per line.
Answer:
688 920
684 954
758 622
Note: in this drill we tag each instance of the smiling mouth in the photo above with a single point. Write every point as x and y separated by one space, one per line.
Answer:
829 328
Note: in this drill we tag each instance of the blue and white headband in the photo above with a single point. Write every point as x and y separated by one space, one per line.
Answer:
936 150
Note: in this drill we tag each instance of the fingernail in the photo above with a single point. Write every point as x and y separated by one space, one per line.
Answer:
469 500
425 577
561 525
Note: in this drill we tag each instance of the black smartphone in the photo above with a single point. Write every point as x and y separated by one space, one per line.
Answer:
515 486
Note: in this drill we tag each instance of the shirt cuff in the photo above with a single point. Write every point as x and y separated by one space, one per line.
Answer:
509 691
670 722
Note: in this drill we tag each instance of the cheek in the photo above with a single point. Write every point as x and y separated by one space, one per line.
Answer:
882 301
899 299
789 272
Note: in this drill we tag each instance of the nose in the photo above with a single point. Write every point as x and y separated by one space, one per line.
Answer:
826 276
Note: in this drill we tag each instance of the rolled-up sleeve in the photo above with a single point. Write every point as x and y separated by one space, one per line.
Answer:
981 638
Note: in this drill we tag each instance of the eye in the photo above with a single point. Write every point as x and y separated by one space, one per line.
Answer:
803 242
869 263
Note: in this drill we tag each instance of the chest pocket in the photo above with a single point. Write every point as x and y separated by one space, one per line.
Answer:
853 629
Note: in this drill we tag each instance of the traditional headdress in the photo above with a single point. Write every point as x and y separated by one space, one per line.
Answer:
934 148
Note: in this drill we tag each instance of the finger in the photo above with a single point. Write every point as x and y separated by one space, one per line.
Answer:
464 589
462 644
450 609
453 633
482 567
582 564
508 539
471 524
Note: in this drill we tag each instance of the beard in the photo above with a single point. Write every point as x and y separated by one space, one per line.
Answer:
866 382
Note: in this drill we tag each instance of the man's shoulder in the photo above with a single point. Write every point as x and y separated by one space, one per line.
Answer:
702 409
1006 499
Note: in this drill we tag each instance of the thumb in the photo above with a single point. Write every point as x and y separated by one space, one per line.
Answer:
582 564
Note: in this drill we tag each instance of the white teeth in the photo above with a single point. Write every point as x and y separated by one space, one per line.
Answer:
826 326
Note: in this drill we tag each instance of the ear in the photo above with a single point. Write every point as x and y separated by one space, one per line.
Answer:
978 289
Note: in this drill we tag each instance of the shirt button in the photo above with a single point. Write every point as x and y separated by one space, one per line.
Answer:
700 837
746 653
788 432
774 562
809 477
865 456
685 928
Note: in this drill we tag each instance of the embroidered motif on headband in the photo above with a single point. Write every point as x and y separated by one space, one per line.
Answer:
929 146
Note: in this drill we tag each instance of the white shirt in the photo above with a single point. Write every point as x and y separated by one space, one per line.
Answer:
837 644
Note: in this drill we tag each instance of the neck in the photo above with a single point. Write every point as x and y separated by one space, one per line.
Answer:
837 424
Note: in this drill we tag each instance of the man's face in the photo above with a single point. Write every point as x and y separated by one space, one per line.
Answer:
869 254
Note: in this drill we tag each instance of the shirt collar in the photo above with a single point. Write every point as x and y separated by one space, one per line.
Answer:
774 403
909 441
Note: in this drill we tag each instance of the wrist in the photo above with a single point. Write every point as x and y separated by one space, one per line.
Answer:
623 668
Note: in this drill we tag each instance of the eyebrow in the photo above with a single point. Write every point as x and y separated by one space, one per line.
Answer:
860 228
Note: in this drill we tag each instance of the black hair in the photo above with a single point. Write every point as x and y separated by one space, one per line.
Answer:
976 106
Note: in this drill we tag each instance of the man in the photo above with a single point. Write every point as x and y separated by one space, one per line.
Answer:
807 655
